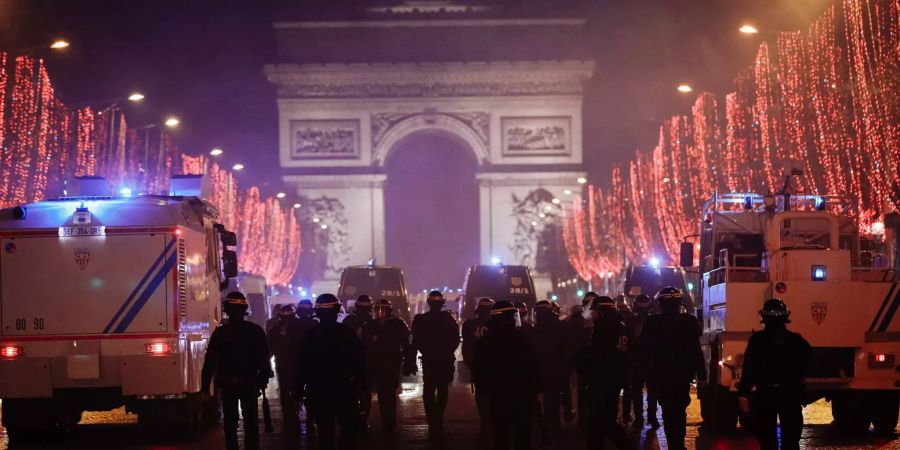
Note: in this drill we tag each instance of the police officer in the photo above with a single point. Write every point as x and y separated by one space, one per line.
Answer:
580 338
388 351
506 370
671 341
773 364
435 334
549 339
638 365
472 331
285 345
362 313
304 321
626 316
526 325
335 379
603 366
238 359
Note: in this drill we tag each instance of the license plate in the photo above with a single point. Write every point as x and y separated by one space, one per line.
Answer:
82 231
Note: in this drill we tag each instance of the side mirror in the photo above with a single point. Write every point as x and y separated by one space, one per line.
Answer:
687 254
229 263
228 238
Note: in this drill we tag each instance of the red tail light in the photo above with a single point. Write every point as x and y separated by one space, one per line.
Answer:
780 287
881 360
10 352
158 348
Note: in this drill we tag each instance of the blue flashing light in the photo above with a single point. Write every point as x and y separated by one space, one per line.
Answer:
125 192
820 203
580 292
748 203
554 297
818 273
371 262
496 261
654 261
690 286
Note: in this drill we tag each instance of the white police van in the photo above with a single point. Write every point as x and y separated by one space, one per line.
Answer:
109 301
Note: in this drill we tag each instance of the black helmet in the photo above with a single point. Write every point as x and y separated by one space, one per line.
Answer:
502 307
485 301
669 293
588 298
364 300
774 310
384 303
305 304
235 304
603 302
327 302
287 310
383 308
642 301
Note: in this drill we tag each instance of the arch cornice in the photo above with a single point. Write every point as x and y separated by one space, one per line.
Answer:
430 122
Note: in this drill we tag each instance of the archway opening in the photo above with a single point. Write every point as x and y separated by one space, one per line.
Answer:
431 210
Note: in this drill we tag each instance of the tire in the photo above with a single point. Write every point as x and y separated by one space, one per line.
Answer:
849 414
886 412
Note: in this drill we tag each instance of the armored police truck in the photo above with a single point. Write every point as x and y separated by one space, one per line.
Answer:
805 250
109 301
377 282
499 282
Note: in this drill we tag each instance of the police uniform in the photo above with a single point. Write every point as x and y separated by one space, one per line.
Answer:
671 341
580 331
285 346
472 331
506 370
638 368
362 314
303 322
548 339
436 335
774 364
387 348
238 359
335 379
603 366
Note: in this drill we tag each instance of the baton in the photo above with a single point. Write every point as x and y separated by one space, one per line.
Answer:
267 413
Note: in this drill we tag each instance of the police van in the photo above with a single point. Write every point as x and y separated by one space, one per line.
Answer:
377 282
807 251
109 301
499 282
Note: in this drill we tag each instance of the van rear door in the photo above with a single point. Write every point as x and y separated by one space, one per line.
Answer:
86 285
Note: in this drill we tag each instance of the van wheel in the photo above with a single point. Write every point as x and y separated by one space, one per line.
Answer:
886 412
849 415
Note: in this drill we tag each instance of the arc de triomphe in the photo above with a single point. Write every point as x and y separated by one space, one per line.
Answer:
339 122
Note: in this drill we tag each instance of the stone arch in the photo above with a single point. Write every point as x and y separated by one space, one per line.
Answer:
430 122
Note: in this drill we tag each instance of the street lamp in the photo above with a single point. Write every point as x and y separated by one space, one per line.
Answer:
216 152
135 97
281 195
59 44
582 180
172 122
685 88
748 29
297 205
237 167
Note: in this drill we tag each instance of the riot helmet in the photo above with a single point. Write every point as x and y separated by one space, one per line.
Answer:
522 308
327 308
504 315
588 298
545 312
287 311
435 300
669 299
483 309
774 312
235 305
603 307
642 304
305 308
383 309
363 305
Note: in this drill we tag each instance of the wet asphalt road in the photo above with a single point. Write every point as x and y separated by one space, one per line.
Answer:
118 430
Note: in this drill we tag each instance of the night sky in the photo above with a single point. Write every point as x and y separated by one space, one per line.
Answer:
202 60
